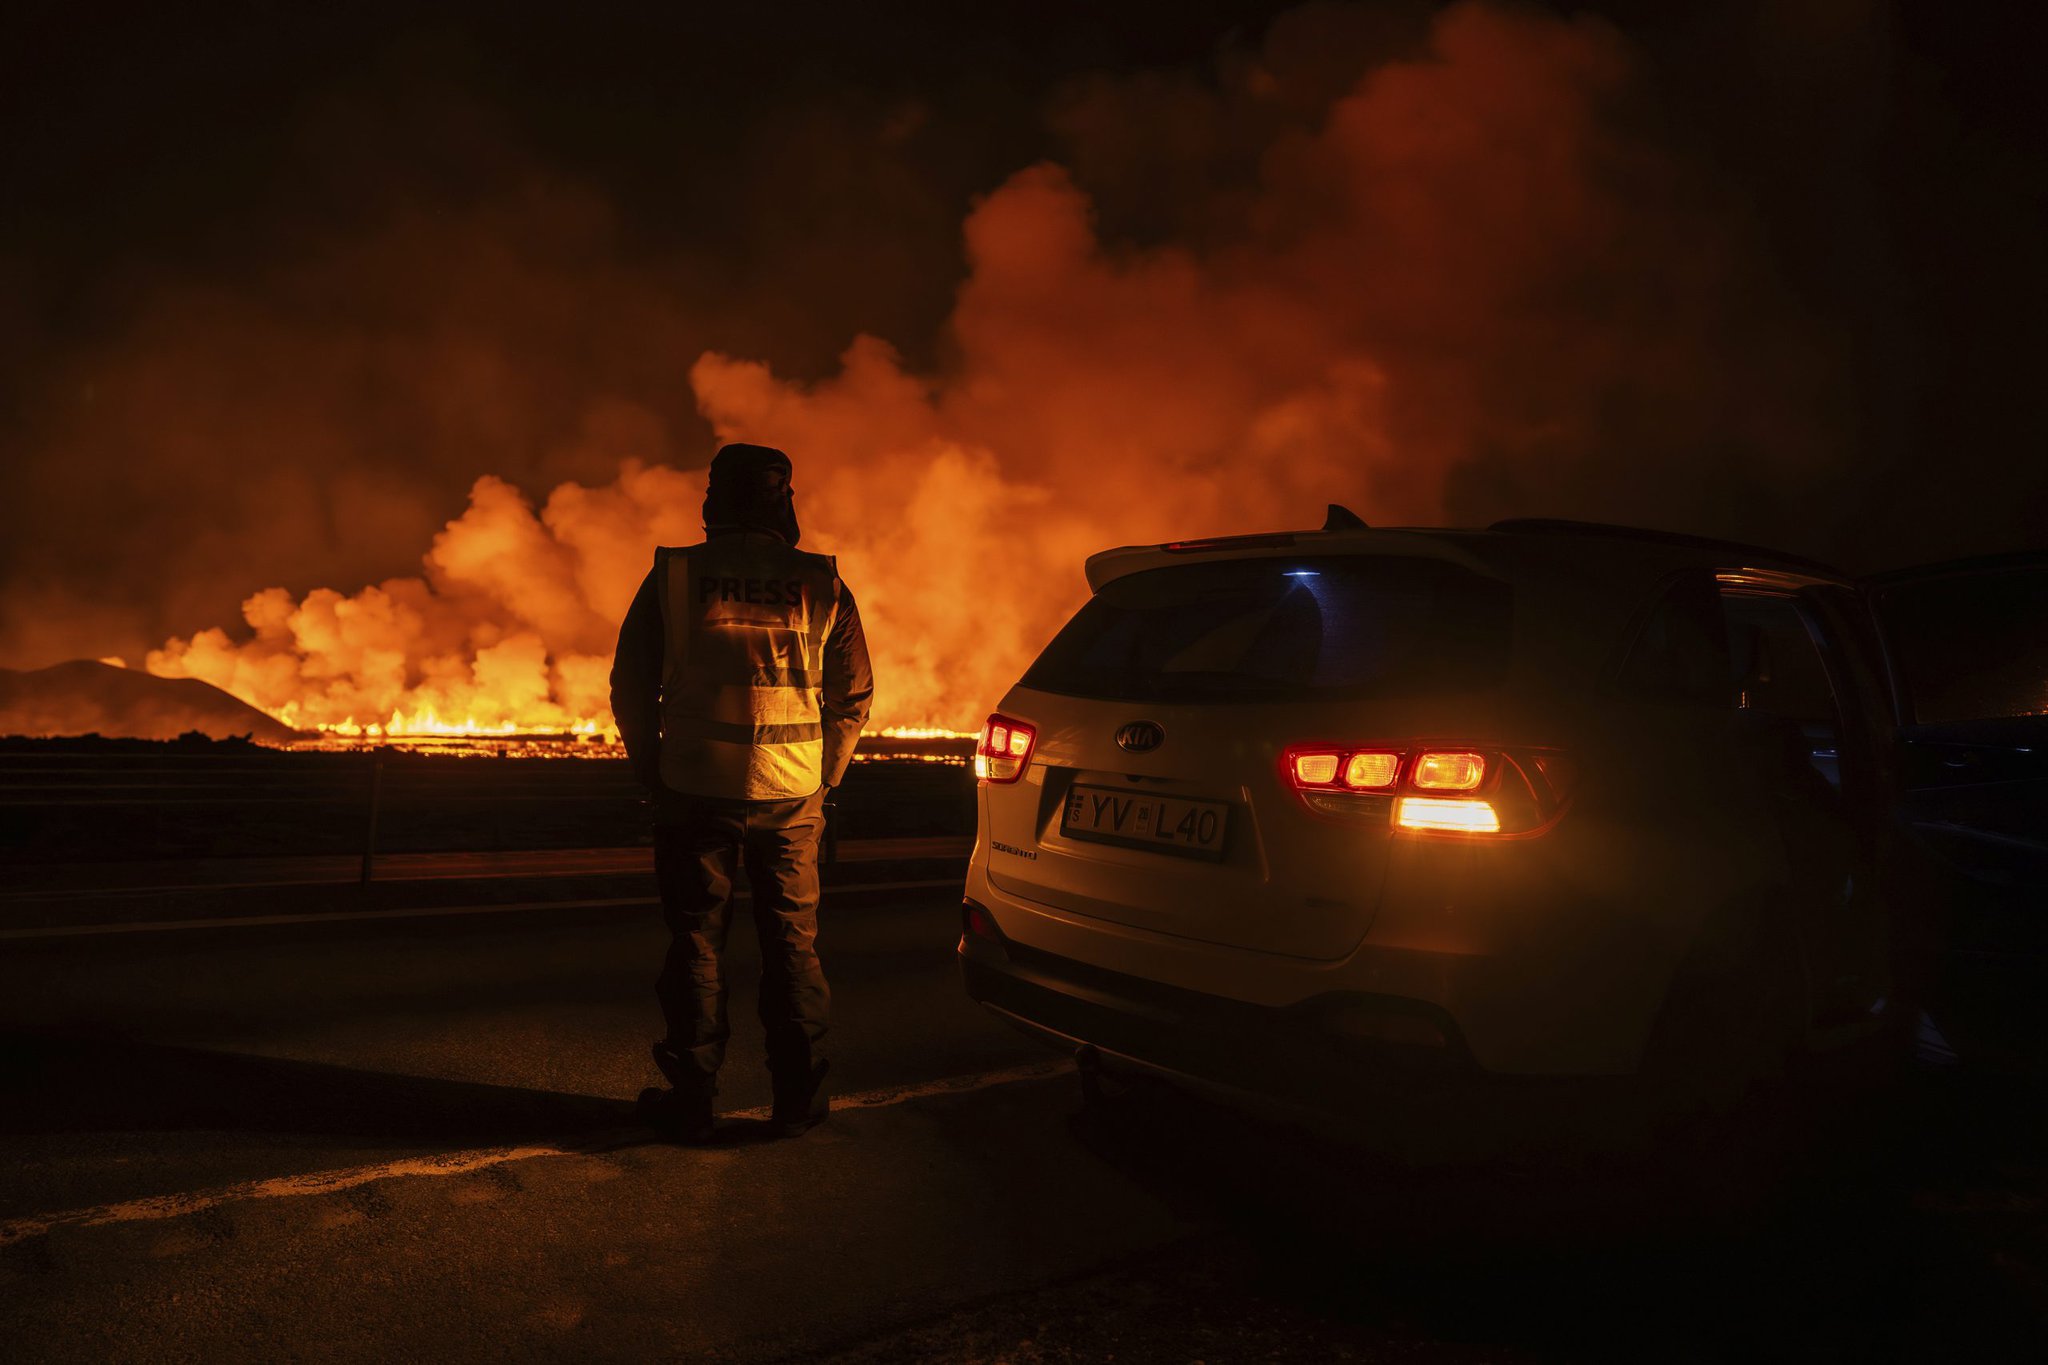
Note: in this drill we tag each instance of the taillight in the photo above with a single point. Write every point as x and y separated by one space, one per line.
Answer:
1439 770
1335 769
1314 770
1441 789
977 922
978 926
1460 815
1371 771
1004 750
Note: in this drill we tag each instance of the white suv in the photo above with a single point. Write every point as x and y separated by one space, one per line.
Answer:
1293 813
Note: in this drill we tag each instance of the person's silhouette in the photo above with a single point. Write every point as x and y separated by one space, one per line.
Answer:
740 686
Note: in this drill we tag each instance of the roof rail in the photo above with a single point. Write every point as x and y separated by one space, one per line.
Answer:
1564 527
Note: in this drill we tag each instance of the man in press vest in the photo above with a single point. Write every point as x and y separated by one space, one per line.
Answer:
739 687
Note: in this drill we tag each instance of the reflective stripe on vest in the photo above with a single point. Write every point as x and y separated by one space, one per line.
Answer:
744 618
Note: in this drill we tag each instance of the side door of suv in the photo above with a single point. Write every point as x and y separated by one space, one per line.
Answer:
1966 648
1801 692
1746 688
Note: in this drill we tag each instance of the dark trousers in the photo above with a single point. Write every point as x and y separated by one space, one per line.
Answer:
698 845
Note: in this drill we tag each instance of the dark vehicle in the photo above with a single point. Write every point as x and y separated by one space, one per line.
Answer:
1967 648
1297 814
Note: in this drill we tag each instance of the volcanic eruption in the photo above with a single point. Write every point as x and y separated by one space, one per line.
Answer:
1459 284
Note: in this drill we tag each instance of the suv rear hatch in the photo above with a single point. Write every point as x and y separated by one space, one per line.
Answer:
1157 796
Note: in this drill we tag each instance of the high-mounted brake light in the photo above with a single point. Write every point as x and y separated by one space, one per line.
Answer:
1004 750
1448 772
1266 538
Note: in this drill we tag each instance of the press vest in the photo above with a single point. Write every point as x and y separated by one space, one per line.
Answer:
745 618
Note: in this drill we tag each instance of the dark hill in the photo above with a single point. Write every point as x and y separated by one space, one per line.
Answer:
83 697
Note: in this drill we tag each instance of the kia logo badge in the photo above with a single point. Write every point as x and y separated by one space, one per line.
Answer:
1140 737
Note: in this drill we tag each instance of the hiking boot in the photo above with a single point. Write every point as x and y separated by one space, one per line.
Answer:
800 1103
677 1116
682 1114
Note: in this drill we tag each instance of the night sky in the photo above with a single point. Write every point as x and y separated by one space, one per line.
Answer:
279 282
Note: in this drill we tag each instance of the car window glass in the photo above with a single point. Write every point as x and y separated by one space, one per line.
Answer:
1680 656
1775 667
1265 629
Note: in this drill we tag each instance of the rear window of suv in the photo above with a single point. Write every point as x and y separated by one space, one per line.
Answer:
1283 629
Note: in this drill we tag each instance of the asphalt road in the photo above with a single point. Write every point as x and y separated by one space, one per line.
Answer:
409 1140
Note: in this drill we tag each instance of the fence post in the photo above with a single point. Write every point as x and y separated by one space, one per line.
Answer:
376 800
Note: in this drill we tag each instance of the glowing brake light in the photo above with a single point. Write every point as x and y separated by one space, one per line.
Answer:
1337 769
1370 772
1509 792
1315 770
1459 815
1449 772
1004 750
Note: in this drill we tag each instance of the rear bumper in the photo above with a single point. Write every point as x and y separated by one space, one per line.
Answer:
1343 1052
1525 976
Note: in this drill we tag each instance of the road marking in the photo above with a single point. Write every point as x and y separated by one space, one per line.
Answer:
309 917
425 912
945 1085
158 1207
346 869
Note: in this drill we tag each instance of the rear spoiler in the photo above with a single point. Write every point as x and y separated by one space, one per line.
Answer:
1342 531
1106 566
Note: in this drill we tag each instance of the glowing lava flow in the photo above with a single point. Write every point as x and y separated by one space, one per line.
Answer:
428 731
428 723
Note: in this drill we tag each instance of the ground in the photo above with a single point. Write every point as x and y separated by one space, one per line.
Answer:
226 1148
296 1129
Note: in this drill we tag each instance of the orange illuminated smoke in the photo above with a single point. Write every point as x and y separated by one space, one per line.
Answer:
1449 772
1369 772
1460 816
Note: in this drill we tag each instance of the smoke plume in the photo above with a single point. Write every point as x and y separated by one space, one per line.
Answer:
1462 282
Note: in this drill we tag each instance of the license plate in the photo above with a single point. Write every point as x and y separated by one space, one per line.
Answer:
1167 824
